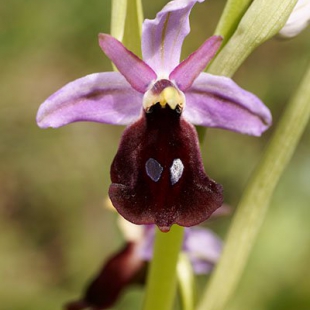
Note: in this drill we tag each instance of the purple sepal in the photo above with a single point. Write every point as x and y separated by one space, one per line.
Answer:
158 176
203 248
138 74
99 97
217 101
162 37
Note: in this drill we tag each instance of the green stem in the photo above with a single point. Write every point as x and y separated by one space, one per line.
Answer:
230 18
126 24
161 281
261 21
186 281
118 18
133 27
255 201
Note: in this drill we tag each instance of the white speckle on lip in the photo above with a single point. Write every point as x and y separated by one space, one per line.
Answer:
176 171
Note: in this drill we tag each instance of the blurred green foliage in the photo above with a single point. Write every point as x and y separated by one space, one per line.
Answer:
54 231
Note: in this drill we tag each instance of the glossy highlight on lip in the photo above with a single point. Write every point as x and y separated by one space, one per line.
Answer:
153 169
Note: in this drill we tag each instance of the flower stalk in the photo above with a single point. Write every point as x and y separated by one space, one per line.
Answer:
133 26
162 279
230 18
186 281
118 18
126 23
256 199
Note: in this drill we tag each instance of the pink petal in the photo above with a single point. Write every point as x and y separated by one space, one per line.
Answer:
189 69
138 74
99 97
162 37
217 101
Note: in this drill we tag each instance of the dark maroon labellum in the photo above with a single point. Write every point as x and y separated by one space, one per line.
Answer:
157 174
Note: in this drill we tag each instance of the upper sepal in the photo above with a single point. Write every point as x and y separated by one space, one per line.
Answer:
162 37
158 176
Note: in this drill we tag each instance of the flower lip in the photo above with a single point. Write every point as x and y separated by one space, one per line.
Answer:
157 174
165 93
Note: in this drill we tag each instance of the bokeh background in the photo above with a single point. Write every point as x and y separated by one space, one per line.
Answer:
54 229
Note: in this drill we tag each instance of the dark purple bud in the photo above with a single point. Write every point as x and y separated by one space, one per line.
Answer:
158 175
121 270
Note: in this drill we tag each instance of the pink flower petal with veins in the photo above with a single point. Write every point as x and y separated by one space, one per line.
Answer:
138 74
189 69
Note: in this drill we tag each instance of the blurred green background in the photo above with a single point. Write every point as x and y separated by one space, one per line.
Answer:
54 231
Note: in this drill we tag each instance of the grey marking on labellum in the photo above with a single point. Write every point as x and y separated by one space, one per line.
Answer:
153 169
176 171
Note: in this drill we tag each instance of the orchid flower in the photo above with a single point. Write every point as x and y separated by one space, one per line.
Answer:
128 266
298 20
157 174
